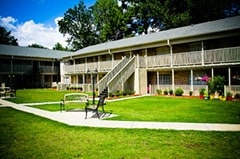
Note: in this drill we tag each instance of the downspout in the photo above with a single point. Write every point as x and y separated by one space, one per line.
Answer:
171 60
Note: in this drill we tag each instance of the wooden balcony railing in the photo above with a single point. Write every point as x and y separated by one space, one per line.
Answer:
224 55
159 61
187 58
102 66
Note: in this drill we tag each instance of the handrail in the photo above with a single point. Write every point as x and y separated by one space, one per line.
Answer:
122 75
102 84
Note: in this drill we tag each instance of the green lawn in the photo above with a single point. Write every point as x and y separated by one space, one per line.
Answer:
39 95
28 136
150 108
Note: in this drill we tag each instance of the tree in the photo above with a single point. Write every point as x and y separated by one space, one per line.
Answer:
156 15
208 10
109 20
6 38
59 46
78 23
37 46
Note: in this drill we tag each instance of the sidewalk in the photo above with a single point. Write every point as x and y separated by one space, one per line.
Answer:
77 118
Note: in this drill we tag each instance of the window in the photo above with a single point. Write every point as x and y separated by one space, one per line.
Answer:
164 79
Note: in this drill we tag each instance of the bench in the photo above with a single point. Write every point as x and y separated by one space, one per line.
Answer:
7 92
94 108
73 98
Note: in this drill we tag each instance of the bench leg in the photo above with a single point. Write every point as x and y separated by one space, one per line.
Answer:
97 114
86 113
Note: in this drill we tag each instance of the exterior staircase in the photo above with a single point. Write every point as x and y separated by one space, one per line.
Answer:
114 79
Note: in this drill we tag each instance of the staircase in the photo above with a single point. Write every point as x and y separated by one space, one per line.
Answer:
114 79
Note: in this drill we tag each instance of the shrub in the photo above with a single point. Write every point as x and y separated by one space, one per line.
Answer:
190 93
117 93
170 91
216 85
165 92
110 94
201 91
237 96
229 94
159 91
179 92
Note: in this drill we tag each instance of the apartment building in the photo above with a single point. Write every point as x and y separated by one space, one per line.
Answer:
168 59
25 67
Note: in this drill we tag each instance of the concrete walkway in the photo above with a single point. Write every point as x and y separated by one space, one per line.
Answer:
77 118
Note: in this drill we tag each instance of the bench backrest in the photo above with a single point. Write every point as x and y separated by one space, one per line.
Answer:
101 101
75 97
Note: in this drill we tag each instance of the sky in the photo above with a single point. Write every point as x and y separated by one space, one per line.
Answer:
35 21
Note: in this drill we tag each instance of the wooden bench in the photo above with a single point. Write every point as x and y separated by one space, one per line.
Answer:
73 98
94 108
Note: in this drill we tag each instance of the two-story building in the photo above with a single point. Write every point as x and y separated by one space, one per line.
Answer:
25 67
165 60
168 59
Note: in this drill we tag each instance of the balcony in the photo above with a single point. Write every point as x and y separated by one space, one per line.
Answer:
216 56
102 66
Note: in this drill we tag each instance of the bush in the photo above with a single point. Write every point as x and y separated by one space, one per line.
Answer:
110 94
179 92
165 92
190 93
201 91
117 93
171 92
237 96
159 91
216 84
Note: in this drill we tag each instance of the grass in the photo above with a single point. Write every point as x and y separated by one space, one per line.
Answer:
28 136
39 95
166 109
155 108
150 108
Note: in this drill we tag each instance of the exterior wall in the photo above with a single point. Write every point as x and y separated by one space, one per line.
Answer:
181 77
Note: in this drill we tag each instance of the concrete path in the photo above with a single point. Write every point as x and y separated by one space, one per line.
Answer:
77 118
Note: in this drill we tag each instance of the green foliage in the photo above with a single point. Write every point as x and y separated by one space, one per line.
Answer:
171 92
6 37
37 46
78 23
159 91
165 92
190 93
59 46
216 84
179 92
109 19
201 91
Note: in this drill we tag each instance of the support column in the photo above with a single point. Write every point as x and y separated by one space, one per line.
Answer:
229 77
191 80
145 57
212 73
202 52
171 52
157 80
136 81
173 85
